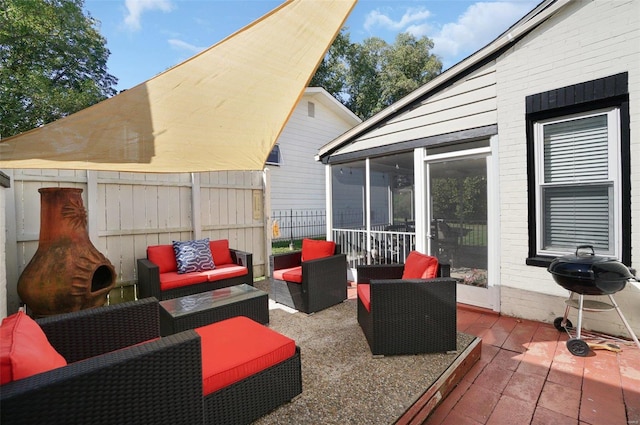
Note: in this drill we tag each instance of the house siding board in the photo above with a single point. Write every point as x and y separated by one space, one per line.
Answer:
300 182
584 41
469 103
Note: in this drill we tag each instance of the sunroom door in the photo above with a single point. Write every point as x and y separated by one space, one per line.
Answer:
457 210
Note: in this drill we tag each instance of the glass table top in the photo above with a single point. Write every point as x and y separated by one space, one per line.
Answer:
211 299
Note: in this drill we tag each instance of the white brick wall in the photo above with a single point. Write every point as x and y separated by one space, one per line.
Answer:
584 41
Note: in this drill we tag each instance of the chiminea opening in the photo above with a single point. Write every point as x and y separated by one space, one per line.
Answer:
102 278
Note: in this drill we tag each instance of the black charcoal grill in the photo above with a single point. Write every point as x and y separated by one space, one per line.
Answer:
585 273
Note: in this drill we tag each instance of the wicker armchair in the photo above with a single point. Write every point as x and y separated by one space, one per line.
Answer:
111 378
407 316
323 281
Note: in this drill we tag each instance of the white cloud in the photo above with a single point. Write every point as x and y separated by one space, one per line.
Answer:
375 18
183 45
476 27
135 9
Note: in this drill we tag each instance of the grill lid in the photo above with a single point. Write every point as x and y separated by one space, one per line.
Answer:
587 273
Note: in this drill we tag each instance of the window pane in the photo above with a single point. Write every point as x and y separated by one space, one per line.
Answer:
577 215
576 150
274 156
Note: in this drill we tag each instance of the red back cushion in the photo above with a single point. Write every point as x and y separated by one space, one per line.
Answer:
313 249
420 266
163 256
220 252
25 349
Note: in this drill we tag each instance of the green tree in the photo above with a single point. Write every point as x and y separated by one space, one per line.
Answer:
408 65
363 79
332 72
370 76
53 62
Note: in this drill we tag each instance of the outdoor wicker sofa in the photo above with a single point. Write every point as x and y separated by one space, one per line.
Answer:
406 316
309 281
158 274
111 377
114 377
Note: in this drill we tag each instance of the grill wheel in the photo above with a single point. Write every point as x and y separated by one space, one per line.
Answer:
578 347
558 324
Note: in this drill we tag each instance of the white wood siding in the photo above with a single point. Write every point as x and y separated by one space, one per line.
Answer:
469 103
131 211
584 41
299 182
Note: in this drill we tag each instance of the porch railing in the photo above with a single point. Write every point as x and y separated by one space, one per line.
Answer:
385 246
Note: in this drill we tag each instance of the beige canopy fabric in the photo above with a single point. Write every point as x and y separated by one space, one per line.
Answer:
223 109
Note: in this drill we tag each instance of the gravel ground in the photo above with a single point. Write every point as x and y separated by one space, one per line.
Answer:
342 383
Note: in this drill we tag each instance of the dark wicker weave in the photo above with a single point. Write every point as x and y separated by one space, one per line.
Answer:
149 279
256 309
159 382
324 281
255 396
408 316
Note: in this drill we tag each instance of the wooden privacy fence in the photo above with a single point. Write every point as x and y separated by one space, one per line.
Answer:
129 211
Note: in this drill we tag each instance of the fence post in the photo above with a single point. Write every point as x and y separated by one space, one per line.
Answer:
291 230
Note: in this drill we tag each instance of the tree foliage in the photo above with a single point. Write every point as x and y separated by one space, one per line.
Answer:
370 76
53 62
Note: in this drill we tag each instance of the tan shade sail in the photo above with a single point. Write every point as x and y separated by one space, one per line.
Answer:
223 109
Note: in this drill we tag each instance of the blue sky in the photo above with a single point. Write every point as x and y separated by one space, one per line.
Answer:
146 37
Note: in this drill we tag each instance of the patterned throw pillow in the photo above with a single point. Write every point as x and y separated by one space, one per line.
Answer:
193 256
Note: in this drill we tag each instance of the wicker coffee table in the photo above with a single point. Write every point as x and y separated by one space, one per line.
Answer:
192 311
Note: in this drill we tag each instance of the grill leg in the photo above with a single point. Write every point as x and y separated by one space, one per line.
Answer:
580 303
566 311
633 335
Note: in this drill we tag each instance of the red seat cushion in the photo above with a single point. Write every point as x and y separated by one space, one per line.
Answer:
313 249
293 274
172 280
364 293
220 252
237 348
420 266
225 271
25 349
163 256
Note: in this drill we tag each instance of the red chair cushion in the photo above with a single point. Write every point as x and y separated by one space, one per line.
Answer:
163 256
420 266
220 252
293 274
237 348
313 249
25 349
364 293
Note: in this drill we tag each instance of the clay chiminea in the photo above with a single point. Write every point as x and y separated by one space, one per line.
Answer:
67 273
